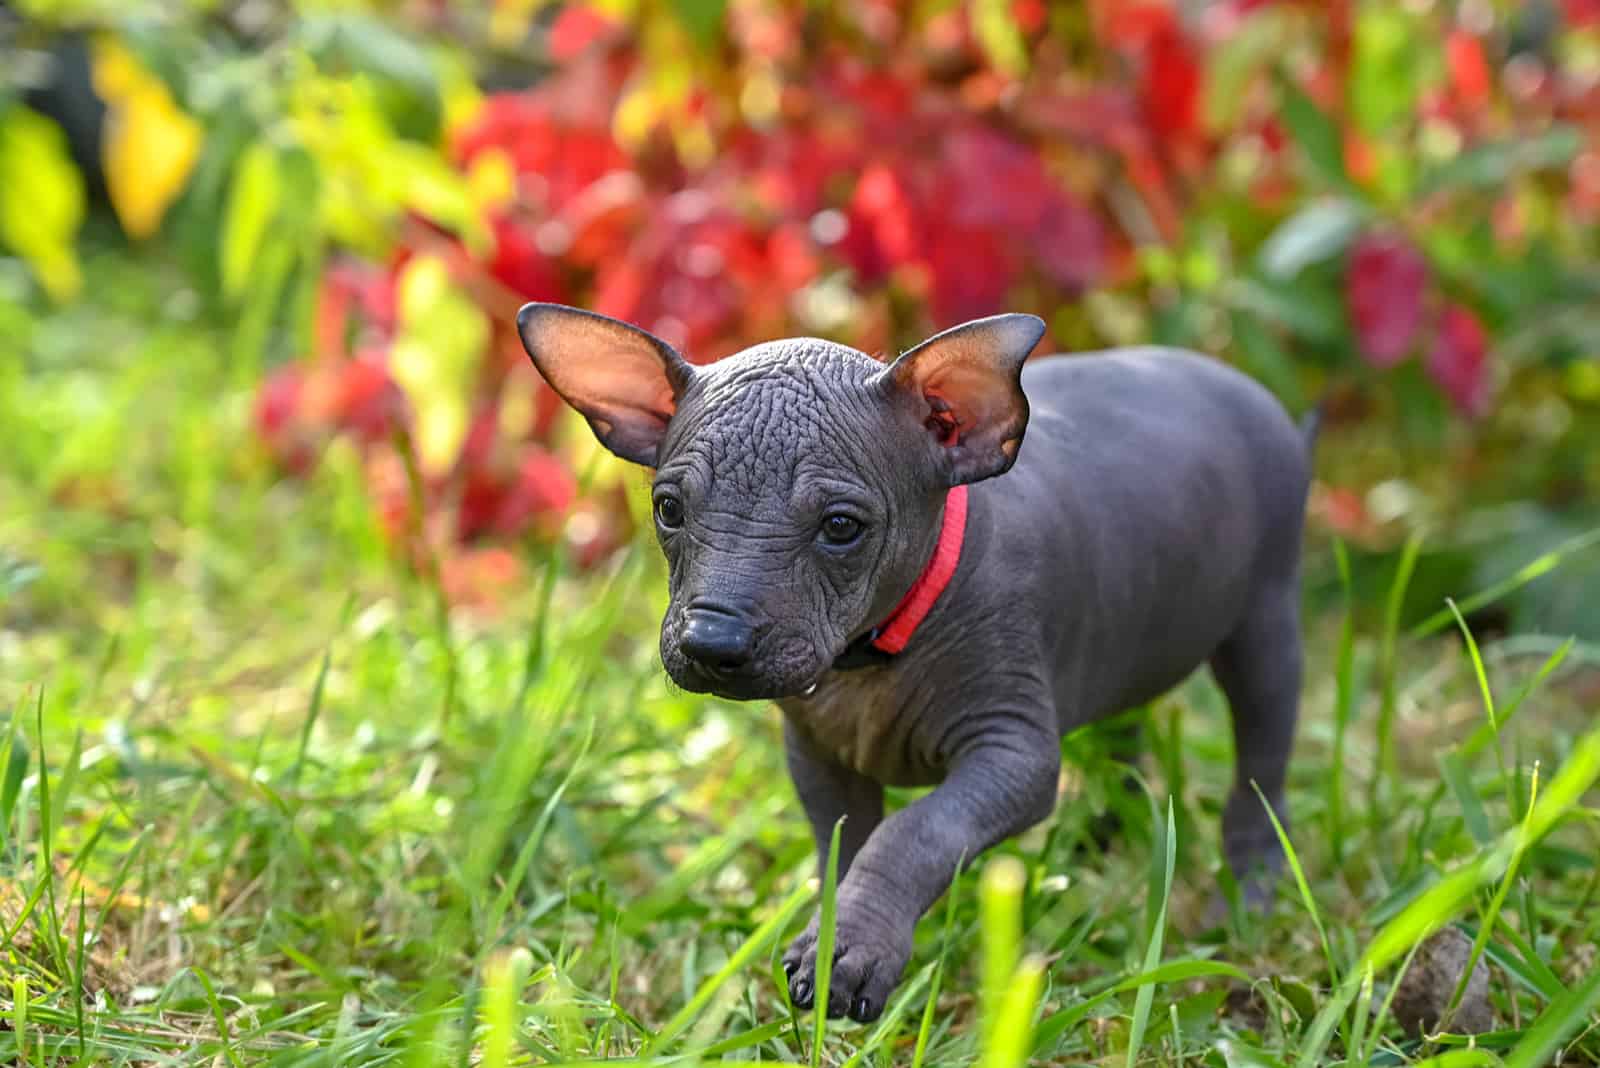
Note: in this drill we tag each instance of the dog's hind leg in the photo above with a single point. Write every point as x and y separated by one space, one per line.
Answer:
1259 668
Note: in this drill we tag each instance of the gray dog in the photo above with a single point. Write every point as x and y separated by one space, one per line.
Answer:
826 551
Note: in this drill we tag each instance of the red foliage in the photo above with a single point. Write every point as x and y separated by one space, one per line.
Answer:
891 159
1385 282
1458 360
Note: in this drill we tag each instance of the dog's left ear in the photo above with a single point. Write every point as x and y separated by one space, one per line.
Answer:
965 385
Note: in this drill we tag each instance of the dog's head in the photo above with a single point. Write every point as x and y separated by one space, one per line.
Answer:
798 483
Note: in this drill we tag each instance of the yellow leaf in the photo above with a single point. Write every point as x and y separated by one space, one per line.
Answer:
150 145
492 178
252 204
436 357
41 200
996 30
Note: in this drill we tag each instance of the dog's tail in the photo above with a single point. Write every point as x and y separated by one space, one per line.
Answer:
1311 424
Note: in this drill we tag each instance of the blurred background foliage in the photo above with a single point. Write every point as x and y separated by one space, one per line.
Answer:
1390 208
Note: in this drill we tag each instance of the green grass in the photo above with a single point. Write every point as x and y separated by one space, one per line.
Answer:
255 807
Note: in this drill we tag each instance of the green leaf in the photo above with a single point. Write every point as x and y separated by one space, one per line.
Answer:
1315 134
1388 69
42 204
1313 314
1491 166
252 204
1237 59
1317 232
702 18
407 82
1267 360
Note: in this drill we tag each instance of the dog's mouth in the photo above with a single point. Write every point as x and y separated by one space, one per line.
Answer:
742 685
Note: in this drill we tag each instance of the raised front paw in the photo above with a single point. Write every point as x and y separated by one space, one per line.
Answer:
868 957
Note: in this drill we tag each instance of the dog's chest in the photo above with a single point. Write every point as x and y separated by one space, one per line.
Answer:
860 721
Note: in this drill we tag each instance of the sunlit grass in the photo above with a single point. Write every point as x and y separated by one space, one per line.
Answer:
237 825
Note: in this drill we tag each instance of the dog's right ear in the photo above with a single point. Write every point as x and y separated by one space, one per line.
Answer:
624 381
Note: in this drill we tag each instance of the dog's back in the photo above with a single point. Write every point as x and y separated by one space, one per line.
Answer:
1157 493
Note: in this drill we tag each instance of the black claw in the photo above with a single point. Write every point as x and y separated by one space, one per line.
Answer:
802 994
861 1010
789 967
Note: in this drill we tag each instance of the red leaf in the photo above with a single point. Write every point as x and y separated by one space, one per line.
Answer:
1458 360
1469 71
519 264
1170 86
369 403
1581 12
1385 279
972 272
575 29
1069 244
283 423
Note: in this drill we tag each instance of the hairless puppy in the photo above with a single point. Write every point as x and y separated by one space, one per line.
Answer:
928 602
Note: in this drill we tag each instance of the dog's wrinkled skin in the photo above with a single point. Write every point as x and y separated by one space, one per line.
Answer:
1151 525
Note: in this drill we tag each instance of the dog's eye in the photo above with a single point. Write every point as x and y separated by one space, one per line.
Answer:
840 529
669 512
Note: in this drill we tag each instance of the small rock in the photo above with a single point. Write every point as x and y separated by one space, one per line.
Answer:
1424 992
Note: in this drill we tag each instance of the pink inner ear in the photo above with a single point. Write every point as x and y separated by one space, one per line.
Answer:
633 382
942 420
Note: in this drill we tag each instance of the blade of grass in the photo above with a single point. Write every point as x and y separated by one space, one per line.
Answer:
1382 1016
925 1028
313 711
504 978
1536 568
1343 704
1560 1019
1012 1030
1152 956
13 769
77 976
1491 914
1000 921
19 1015
890 1024
752 947
825 935
66 781
1459 1058
1486 732
1387 667
1487 695
745 1039
1306 896
221 1017
1356 1036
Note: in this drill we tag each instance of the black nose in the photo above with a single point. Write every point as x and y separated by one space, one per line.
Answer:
717 639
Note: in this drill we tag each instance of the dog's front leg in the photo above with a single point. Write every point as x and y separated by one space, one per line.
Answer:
999 784
829 793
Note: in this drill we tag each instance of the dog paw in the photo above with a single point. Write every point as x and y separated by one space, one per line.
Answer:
867 962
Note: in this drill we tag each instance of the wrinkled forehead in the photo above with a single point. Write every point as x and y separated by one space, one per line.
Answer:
765 417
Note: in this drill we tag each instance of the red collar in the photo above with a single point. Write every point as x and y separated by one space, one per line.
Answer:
891 636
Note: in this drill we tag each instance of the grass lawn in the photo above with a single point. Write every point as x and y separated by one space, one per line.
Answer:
256 805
